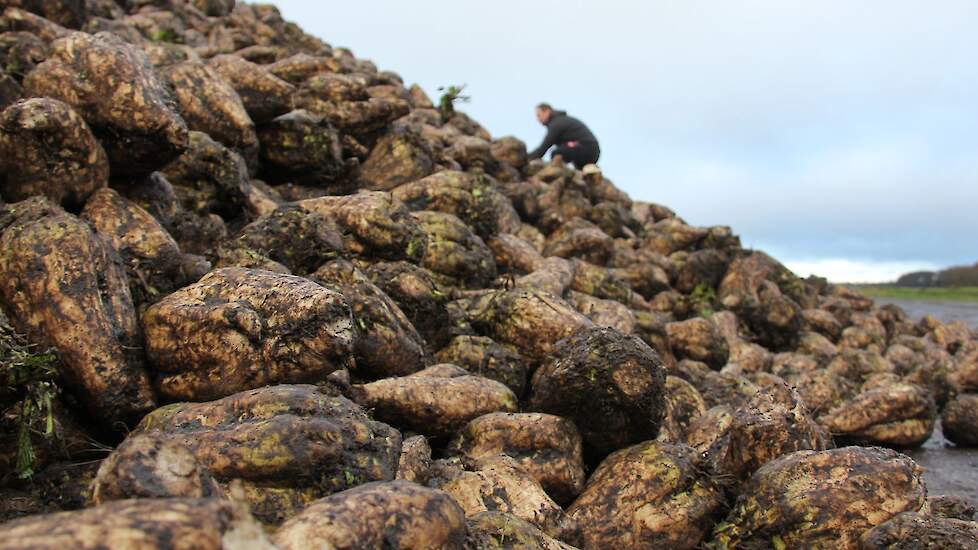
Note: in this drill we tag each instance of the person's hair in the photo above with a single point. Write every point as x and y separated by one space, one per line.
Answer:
545 107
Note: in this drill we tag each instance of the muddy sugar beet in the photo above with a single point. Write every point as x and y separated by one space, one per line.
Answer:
67 288
238 329
262 292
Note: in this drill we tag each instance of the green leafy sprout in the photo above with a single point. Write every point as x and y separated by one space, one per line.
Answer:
450 95
28 388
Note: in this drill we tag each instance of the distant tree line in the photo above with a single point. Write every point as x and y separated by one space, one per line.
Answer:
952 276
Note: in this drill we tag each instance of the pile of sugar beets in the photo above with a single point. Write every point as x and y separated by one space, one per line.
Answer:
293 304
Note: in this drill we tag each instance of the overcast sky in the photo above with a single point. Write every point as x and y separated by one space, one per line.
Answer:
840 136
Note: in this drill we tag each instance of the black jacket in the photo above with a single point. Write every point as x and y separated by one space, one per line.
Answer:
562 128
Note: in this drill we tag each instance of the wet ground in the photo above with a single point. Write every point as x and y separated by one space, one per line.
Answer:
948 470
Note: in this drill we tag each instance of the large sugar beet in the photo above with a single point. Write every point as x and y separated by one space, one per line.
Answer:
822 390
147 524
239 329
289 445
210 105
362 117
112 86
47 149
960 420
699 340
736 442
510 150
471 153
152 466
673 235
378 225
435 405
299 67
608 383
547 447
64 287
328 86
530 320
416 292
821 499
473 199
263 95
303 148
764 294
816 345
554 275
600 283
652 495
893 414
399 156
345 103
153 260
604 313
514 255
395 514
300 240
582 239
822 322
387 344
455 251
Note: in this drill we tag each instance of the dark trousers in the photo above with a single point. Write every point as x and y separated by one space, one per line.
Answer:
580 155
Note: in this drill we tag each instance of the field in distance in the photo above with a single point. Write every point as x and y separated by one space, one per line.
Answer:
949 294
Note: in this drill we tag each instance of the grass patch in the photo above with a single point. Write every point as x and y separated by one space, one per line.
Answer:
28 388
950 294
